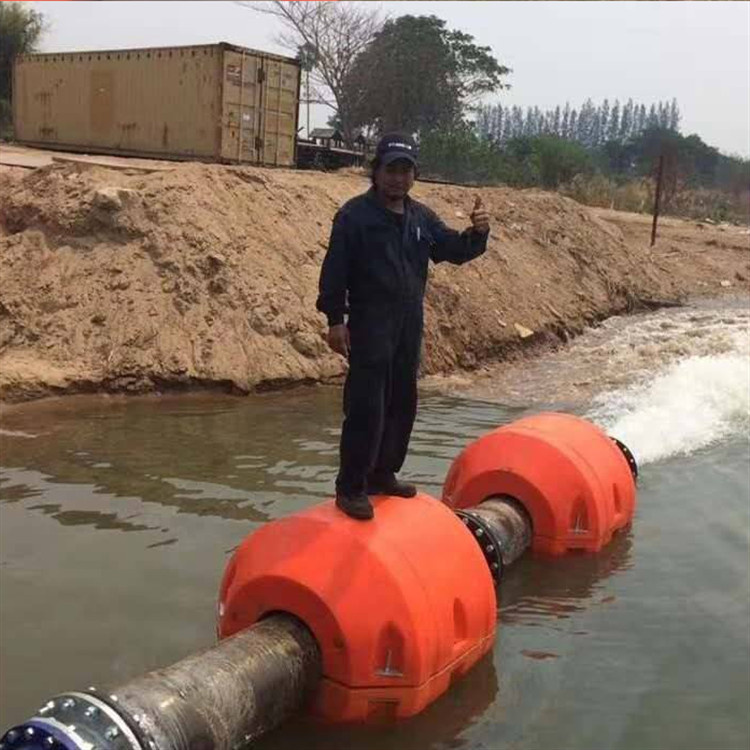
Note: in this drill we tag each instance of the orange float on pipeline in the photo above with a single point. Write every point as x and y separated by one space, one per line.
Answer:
400 606
576 483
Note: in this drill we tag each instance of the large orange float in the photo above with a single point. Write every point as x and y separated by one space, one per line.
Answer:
400 606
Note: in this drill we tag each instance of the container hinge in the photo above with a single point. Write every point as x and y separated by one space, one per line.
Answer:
261 75
258 143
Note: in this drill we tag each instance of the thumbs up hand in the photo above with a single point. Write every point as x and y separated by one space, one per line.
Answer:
480 219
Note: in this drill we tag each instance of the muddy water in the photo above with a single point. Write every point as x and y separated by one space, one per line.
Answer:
620 352
117 518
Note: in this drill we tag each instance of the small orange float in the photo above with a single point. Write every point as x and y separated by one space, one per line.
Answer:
576 483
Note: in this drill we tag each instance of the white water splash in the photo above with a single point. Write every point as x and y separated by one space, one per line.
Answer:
694 403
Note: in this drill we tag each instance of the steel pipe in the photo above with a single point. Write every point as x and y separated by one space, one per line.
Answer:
228 695
502 528
219 699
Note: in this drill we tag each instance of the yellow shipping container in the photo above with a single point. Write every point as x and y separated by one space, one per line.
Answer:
214 102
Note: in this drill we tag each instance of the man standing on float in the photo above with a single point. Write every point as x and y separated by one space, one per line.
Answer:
375 271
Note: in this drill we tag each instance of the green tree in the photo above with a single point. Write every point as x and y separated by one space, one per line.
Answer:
417 75
21 30
641 121
498 124
613 132
565 126
604 115
573 125
459 154
558 161
732 176
529 123
556 121
586 123
674 115
596 129
516 122
627 121
688 161
519 167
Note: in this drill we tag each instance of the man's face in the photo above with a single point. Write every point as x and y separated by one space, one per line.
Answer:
395 180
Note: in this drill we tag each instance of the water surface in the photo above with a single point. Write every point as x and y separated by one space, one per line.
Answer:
118 516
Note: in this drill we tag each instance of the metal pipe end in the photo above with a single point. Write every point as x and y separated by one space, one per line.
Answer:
72 721
629 457
490 546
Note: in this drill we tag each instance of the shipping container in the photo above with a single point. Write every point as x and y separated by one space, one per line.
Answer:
214 102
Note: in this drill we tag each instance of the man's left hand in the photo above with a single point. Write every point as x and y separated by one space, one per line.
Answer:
480 219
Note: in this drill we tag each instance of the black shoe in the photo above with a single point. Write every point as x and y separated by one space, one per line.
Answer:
355 505
387 484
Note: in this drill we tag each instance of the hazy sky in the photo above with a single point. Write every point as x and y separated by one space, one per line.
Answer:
698 52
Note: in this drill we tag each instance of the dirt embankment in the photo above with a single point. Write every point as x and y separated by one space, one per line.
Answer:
206 276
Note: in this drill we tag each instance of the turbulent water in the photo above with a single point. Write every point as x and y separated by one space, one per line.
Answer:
697 400
117 517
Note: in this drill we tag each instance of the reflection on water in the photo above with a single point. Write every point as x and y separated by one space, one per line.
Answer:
611 651
97 520
538 591
439 726
242 461
227 461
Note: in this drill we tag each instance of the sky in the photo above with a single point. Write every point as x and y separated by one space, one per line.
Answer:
697 52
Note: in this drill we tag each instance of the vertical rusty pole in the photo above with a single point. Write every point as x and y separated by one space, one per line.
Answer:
307 75
659 177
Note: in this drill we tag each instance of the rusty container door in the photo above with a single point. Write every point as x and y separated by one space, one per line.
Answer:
260 108
280 108
241 116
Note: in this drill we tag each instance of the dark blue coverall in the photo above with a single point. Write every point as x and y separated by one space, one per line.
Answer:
376 270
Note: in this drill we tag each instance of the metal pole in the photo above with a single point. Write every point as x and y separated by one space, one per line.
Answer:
307 83
657 199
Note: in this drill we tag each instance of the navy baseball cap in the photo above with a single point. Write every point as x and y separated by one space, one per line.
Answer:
394 146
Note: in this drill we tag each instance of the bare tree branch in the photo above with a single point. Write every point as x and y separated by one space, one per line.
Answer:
339 32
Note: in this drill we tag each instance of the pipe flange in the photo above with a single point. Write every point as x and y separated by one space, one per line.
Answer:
489 544
73 721
40 733
629 457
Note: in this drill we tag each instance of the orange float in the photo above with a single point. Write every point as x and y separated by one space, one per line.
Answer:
576 483
400 606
